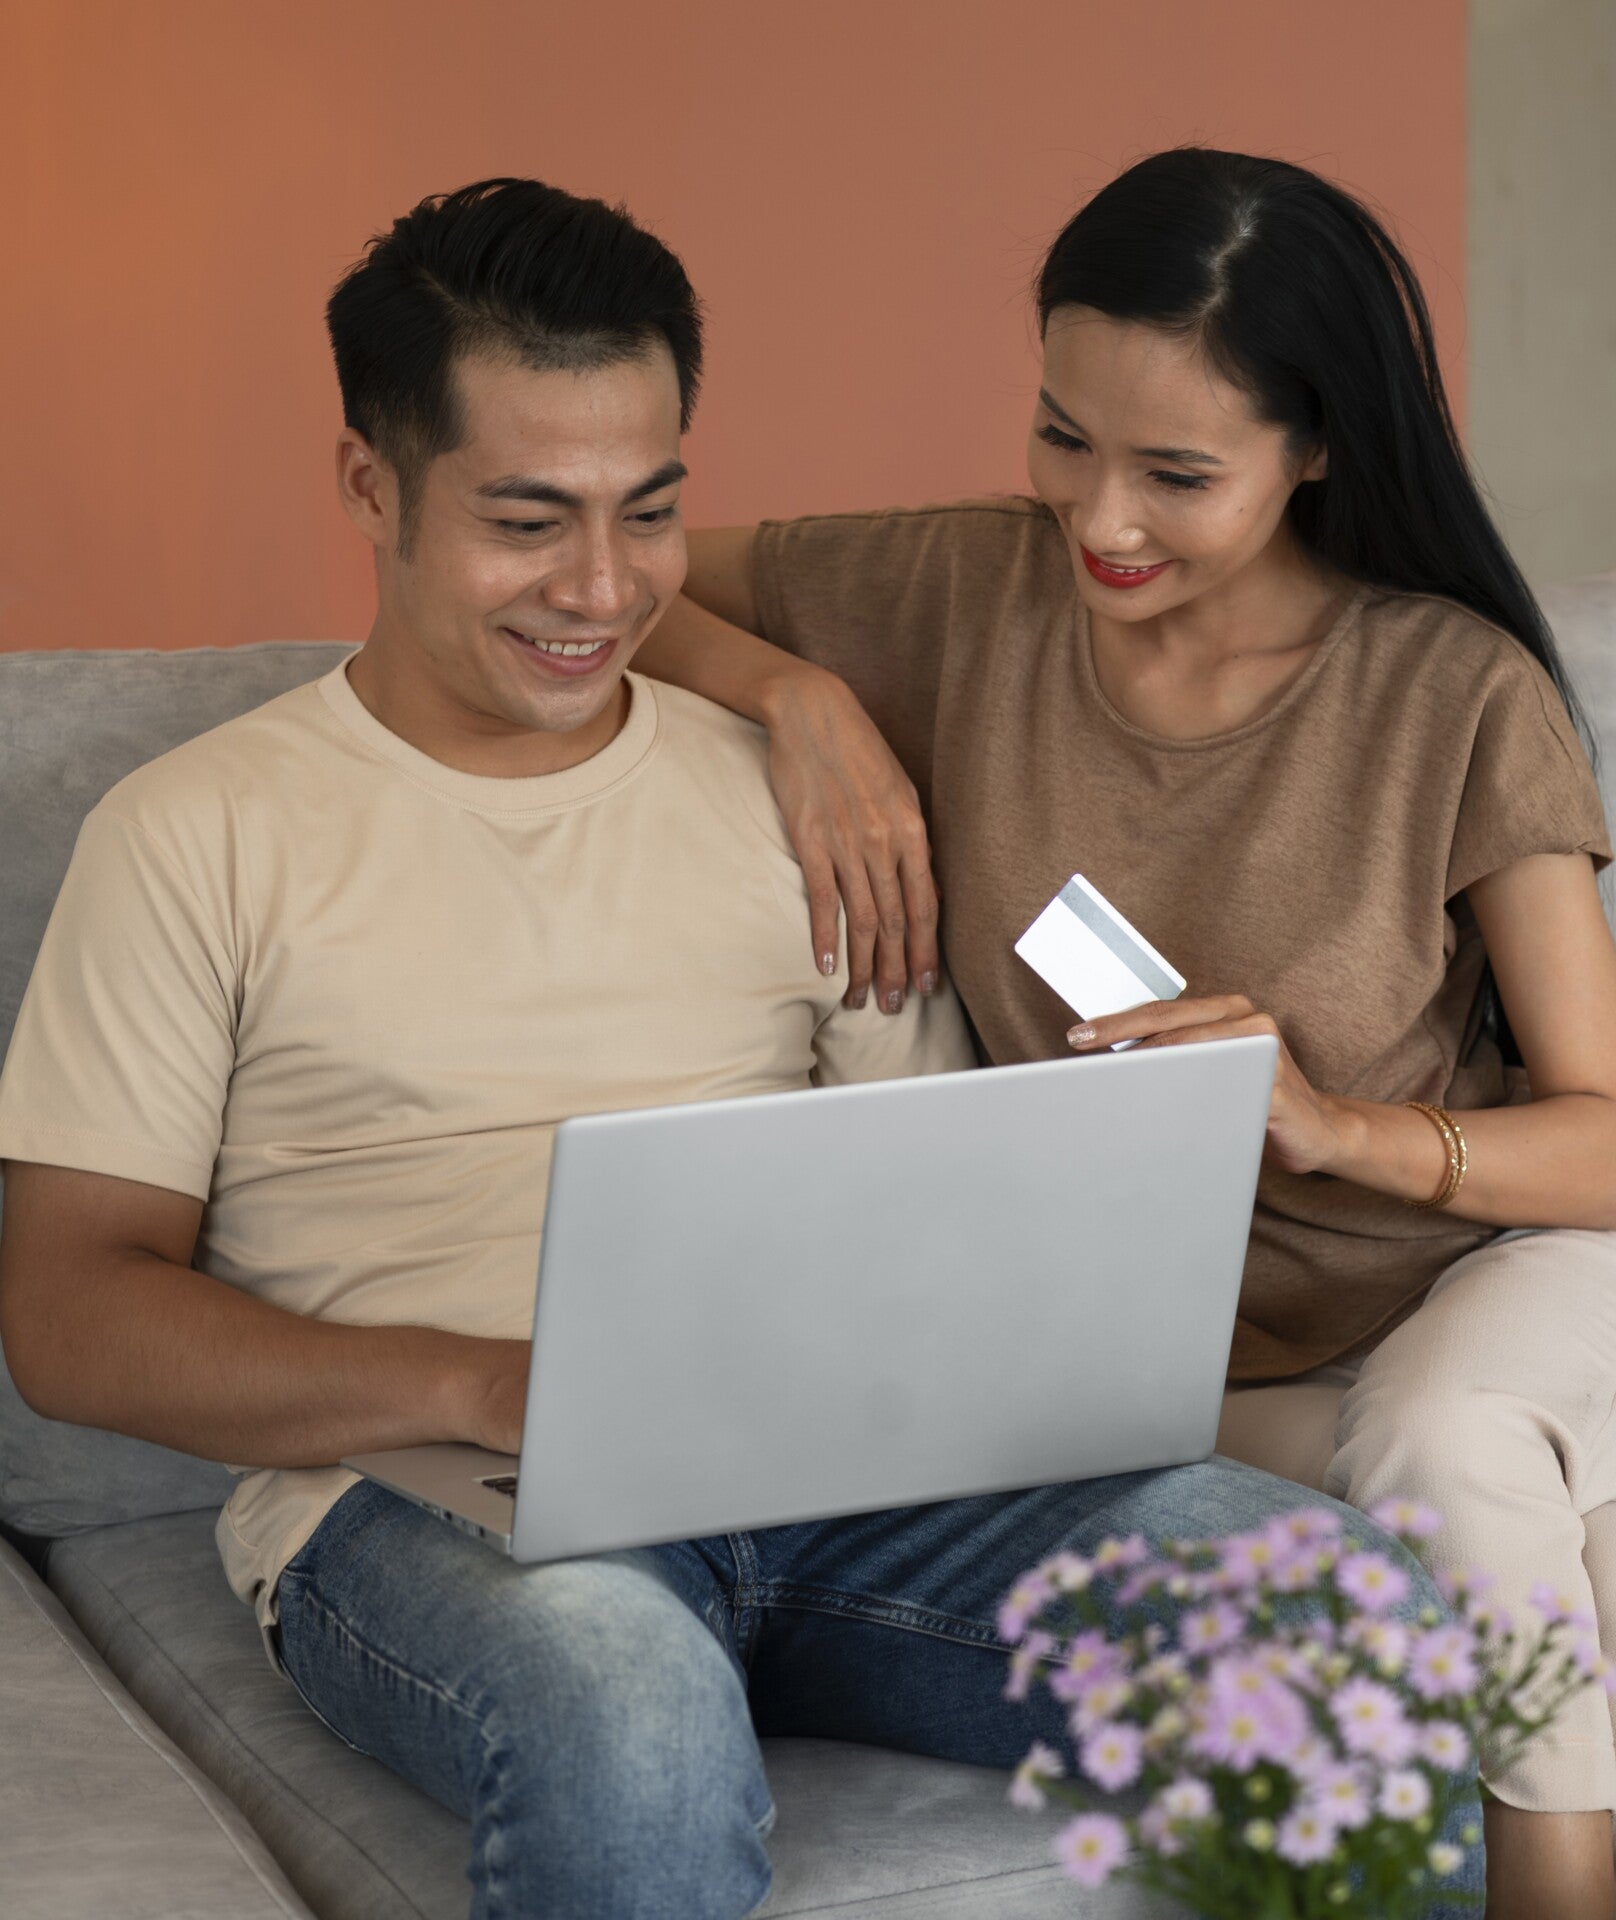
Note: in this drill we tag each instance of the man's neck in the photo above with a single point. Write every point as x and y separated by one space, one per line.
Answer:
411 703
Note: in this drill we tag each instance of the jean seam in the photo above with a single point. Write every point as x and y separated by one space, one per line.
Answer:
434 1690
872 1607
745 1603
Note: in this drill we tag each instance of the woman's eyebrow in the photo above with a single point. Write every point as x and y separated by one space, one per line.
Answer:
1186 454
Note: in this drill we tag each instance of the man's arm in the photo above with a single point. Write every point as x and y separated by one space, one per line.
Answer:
104 1322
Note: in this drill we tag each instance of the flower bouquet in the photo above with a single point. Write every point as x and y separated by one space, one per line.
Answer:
1291 1749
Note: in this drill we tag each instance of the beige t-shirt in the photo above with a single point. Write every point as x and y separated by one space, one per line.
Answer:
1314 859
344 995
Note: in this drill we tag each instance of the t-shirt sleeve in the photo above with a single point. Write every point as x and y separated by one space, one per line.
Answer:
125 1040
869 595
928 1036
1529 788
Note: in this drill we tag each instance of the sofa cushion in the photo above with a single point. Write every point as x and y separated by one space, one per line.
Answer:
99 1812
71 726
860 1832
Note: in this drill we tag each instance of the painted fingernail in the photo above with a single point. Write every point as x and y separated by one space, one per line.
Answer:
857 1000
894 1003
928 983
827 963
1080 1036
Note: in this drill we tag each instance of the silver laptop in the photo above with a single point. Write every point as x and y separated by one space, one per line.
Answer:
785 1307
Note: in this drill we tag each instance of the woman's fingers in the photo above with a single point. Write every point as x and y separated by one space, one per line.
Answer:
1211 1030
824 907
920 914
863 927
1184 1019
891 961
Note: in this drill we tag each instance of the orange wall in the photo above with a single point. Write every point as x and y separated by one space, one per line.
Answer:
860 189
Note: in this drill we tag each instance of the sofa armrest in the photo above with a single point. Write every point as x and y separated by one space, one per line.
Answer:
101 1816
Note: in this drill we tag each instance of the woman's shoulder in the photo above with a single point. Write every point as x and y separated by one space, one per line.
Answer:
1457 656
1446 672
1446 631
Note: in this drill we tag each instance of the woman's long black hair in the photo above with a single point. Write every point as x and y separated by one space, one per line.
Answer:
1301 299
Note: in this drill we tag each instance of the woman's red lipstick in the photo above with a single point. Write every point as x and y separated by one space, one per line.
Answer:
1121 576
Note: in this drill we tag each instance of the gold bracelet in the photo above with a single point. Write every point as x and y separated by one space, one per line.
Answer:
1458 1155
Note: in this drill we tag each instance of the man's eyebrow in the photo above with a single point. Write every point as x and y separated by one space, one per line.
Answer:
1187 455
516 486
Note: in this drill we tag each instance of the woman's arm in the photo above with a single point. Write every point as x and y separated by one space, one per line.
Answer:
1549 1164
852 812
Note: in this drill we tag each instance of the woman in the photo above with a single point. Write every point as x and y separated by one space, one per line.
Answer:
1255 661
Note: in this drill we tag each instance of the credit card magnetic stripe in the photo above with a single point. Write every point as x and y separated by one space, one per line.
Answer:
1130 952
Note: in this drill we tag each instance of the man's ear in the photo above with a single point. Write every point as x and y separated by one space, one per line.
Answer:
368 489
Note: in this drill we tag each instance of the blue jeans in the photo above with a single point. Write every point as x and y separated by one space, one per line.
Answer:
597 1721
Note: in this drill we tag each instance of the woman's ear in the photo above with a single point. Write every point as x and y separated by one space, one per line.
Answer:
1316 466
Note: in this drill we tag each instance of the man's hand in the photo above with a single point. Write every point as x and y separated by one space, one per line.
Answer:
106 1323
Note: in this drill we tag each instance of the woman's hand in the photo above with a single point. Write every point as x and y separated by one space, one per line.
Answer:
854 819
1306 1129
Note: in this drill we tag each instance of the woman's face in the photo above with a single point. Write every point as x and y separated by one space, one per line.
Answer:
1166 483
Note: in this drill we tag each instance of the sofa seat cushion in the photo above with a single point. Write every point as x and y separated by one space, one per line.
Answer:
860 1832
100 1814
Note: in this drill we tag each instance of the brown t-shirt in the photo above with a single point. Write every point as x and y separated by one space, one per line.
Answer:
1313 860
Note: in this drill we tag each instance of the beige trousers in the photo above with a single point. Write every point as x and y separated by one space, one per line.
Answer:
1495 1403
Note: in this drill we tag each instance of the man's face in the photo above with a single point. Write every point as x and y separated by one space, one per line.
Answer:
545 548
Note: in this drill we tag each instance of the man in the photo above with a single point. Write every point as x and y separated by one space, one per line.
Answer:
317 991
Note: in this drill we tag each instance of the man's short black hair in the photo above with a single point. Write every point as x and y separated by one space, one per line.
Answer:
512 269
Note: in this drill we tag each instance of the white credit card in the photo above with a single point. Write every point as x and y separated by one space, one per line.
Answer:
1094 960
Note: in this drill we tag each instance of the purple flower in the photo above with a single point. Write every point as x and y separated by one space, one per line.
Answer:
1407 1519
1024 1663
1384 1641
1183 1803
1405 1795
1070 1572
1372 1581
1042 1763
1442 1663
1187 1798
1099 1703
1372 1723
1210 1628
1021 1606
1089 1659
1445 1746
1310 1526
1111 1756
1560 1609
1248 1715
1463 1584
1305 1837
1091 1848
1250 1559
1341 1793
1113 1556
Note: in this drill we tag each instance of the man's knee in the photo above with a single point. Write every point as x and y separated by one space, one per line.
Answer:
618 1760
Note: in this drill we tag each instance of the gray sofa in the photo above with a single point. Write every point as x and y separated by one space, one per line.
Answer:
151 1764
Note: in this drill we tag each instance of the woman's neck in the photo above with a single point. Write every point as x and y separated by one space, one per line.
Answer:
1221 660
